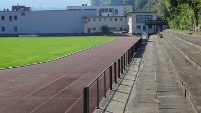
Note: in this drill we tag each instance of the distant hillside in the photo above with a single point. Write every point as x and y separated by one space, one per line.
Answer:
139 5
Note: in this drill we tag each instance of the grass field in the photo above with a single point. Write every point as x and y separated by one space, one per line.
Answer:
21 51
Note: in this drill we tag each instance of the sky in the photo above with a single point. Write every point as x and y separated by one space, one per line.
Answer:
42 4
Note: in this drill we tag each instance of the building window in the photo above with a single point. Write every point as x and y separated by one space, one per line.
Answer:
138 27
94 19
144 28
2 18
3 29
149 26
116 11
110 19
104 10
93 28
15 17
99 19
22 13
10 18
121 29
115 19
121 19
112 28
15 28
111 10
105 19
88 19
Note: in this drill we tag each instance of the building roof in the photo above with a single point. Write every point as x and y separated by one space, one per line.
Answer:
97 6
101 16
139 12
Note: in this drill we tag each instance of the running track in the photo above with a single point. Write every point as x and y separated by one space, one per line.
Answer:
57 86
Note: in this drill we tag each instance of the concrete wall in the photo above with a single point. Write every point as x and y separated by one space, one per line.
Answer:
40 22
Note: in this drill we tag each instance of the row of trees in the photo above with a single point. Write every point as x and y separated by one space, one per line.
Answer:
180 14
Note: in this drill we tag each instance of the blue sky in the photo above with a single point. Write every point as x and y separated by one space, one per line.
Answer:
57 4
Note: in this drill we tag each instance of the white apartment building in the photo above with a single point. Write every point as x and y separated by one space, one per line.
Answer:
105 10
114 23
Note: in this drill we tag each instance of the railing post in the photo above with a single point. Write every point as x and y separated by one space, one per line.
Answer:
118 68
115 72
122 64
133 50
129 55
104 85
98 94
86 100
110 77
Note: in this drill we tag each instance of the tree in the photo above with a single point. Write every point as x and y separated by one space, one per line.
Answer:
105 29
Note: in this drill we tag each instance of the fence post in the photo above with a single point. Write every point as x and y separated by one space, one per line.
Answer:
110 77
104 85
98 94
119 68
129 56
86 100
133 50
115 72
122 64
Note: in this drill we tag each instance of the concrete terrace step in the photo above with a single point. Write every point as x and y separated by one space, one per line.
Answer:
170 98
190 51
191 38
187 74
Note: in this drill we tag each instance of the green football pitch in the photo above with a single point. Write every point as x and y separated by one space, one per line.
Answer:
18 51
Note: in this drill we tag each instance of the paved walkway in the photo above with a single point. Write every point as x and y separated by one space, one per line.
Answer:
155 90
57 86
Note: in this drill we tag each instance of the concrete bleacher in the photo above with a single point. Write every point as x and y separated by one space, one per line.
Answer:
167 82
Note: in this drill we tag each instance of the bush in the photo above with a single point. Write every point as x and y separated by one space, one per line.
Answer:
105 29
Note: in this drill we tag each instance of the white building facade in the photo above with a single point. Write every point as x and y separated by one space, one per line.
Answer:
105 10
75 20
136 22
114 23
43 22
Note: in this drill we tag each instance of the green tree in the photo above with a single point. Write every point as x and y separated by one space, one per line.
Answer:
105 29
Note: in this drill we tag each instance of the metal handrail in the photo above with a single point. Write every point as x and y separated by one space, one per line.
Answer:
123 59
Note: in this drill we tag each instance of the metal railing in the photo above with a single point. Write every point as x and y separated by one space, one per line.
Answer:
101 84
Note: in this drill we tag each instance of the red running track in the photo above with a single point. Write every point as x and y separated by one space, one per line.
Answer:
57 86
